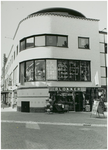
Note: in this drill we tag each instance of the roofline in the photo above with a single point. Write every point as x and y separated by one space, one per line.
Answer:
52 14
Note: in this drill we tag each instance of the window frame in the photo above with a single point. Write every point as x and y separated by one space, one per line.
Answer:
26 42
68 80
33 36
88 43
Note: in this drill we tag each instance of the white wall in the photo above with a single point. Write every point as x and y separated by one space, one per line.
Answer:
67 26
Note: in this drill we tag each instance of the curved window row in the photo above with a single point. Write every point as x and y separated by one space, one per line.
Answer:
58 70
44 40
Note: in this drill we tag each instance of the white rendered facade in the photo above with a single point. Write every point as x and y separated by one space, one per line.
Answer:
48 24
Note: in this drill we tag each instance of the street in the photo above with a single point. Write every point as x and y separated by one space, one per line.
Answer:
73 130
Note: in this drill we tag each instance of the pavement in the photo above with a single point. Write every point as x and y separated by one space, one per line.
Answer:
69 118
73 130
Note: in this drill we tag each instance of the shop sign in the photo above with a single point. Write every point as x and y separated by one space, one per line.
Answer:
95 107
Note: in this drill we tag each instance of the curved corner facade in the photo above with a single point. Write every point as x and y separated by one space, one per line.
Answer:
54 56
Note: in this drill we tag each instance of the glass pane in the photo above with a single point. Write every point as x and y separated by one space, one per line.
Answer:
85 71
22 45
51 69
30 42
62 41
74 71
51 41
29 70
21 73
62 70
40 41
40 70
84 43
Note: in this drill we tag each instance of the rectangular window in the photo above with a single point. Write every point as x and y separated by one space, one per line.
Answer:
14 55
51 40
83 43
106 48
29 70
62 70
40 41
74 70
51 69
40 70
22 70
85 71
30 42
22 45
17 50
15 76
62 41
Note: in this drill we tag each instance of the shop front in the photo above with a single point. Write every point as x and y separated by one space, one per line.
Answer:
74 97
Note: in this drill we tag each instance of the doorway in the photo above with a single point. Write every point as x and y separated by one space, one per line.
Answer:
25 106
78 101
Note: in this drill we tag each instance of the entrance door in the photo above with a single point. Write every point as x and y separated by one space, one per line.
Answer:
78 101
25 106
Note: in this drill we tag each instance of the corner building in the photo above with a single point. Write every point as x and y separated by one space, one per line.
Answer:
55 54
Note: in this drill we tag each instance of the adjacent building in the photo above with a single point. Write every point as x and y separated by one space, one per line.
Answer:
57 53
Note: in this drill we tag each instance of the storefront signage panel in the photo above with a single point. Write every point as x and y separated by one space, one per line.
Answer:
67 89
51 69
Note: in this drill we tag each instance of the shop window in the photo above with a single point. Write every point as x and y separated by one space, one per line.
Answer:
83 43
30 42
85 71
62 70
29 71
39 70
51 69
74 70
22 71
22 45
40 41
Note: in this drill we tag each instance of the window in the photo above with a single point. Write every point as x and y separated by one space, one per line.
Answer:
83 43
44 40
51 69
106 48
52 40
30 42
22 76
74 70
62 41
29 70
22 45
14 55
62 70
17 50
39 70
15 76
85 71
40 41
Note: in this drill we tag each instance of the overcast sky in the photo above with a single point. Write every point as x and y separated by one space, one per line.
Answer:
12 12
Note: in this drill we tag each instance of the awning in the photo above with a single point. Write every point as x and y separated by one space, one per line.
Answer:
4 92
